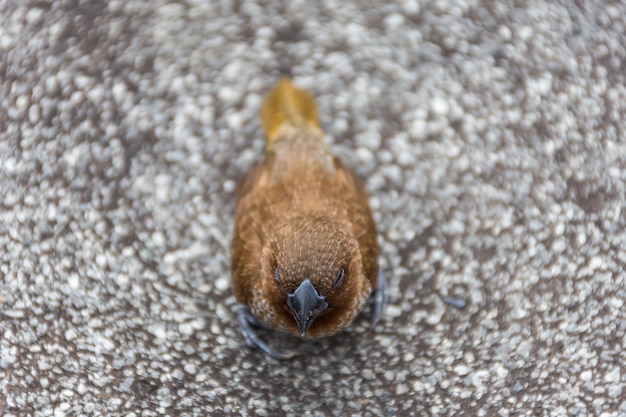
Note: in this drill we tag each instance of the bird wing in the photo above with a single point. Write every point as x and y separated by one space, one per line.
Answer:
247 243
360 215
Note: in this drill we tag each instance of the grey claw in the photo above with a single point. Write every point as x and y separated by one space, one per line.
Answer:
380 297
246 321
455 302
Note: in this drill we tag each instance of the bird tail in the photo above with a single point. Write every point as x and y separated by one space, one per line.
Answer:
288 106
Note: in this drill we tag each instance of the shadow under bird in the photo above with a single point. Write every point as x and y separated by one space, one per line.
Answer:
304 251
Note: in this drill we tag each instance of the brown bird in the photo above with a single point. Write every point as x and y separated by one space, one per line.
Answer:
304 251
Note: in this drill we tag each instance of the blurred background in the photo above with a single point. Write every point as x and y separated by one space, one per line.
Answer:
489 134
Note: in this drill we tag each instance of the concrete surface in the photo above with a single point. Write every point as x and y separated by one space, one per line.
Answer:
490 134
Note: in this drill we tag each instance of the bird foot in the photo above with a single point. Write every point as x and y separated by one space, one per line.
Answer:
246 321
380 297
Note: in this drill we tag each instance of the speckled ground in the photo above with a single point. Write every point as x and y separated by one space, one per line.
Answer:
490 134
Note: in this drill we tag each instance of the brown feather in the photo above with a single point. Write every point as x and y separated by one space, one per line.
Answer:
303 211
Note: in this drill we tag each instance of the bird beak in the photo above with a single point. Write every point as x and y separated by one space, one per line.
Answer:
306 304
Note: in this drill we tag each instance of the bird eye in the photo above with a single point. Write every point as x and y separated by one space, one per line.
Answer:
339 278
277 274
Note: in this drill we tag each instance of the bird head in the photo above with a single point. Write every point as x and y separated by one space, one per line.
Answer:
311 279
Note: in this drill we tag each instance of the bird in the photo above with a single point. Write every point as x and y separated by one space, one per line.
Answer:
304 250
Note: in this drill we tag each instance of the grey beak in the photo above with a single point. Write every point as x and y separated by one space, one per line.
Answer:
306 304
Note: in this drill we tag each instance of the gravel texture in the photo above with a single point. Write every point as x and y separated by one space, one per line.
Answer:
490 134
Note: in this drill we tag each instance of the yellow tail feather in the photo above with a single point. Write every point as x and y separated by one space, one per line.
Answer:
289 105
